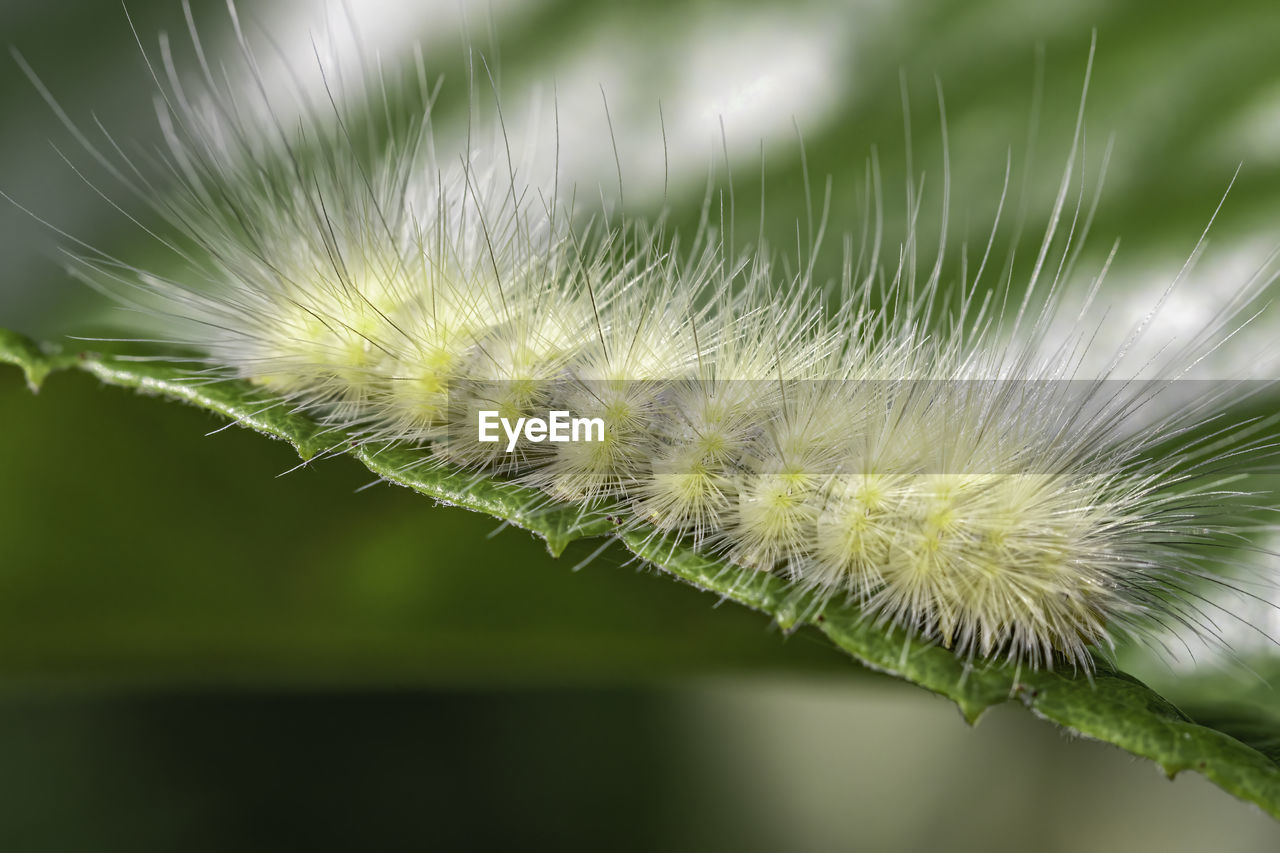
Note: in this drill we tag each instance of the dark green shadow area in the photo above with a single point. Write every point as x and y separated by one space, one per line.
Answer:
135 548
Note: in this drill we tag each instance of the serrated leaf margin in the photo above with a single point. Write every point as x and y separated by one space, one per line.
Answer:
1107 706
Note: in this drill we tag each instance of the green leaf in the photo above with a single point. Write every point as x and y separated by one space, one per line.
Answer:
1110 706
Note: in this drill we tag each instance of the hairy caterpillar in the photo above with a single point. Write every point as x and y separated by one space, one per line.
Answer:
919 444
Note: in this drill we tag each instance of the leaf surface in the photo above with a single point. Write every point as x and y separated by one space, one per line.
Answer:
1110 706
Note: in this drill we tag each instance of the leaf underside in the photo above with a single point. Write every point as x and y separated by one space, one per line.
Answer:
1110 706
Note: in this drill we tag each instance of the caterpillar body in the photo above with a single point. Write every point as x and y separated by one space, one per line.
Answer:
919 444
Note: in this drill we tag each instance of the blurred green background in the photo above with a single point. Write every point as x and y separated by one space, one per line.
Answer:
197 653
